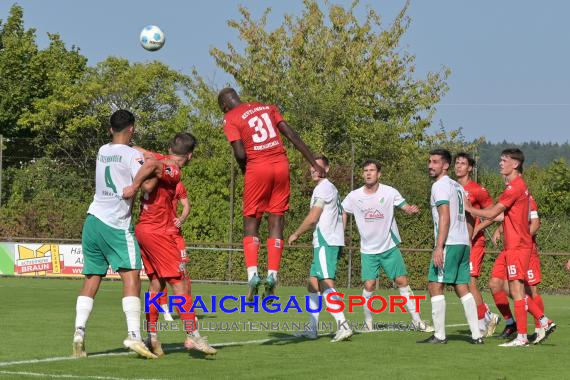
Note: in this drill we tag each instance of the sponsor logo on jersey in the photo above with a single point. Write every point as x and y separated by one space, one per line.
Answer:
370 215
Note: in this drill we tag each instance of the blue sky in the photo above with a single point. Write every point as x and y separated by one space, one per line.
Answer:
509 59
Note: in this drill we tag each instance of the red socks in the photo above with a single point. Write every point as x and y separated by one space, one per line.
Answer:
481 310
502 302
152 315
163 300
188 318
274 253
250 250
520 316
540 303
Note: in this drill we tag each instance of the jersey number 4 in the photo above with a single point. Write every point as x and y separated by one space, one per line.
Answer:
261 126
108 180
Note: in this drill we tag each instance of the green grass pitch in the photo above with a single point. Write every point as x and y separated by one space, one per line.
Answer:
37 317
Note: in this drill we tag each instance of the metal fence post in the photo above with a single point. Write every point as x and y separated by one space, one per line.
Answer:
350 216
1 159
231 229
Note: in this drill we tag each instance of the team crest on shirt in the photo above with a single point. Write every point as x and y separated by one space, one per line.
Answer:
382 200
140 160
169 171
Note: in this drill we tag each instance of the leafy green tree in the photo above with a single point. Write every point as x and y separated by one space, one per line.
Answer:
73 120
339 80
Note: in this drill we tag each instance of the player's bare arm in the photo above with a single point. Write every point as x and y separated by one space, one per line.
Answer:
487 213
179 221
443 230
310 222
410 209
239 154
497 235
534 226
151 168
292 136
149 185
344 219
481 226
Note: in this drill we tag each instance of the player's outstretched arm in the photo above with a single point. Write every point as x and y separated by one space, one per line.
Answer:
239 154
300 145
310 222
150 168
487 213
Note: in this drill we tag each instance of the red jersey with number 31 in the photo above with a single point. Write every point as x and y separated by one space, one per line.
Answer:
516 200
255 124
156 206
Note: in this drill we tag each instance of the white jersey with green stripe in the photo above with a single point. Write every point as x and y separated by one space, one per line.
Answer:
116 168
329 228
447 191
375 217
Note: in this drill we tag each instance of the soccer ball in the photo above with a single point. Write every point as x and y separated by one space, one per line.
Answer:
152 38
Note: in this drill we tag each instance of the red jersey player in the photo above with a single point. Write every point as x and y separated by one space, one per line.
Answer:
479 198
161 257
513 262
254 131
180 196
534 275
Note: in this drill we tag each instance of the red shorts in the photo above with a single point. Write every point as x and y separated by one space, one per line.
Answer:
512 265
476 259
160 255
181 245
533 276
266 189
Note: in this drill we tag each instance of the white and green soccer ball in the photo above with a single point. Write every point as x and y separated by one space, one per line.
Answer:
152 38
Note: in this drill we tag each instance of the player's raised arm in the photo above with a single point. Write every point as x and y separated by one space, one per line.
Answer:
296 140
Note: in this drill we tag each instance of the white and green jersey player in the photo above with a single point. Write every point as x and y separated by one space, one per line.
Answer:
455 268
373 206
325 216
108 236
328 237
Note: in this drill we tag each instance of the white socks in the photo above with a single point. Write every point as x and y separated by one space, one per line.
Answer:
367 313
339 317
250 272
272 272
410 304
132 309
438 315
470 308
314 317
83 308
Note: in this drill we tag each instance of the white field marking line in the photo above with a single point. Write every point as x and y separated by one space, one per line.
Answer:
226 344
62 376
